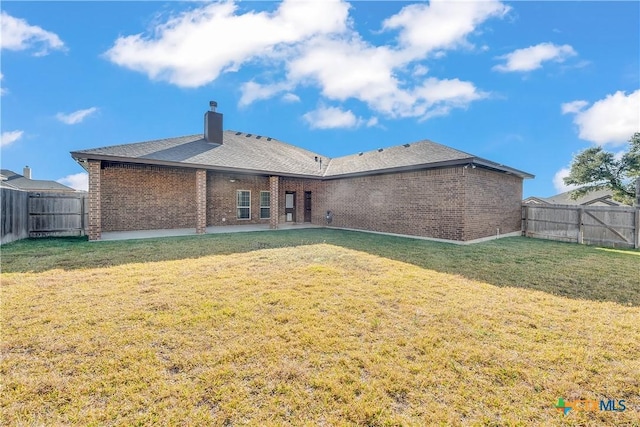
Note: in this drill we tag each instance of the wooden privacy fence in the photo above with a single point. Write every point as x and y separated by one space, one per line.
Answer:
614 226
57 214
42 214
15 215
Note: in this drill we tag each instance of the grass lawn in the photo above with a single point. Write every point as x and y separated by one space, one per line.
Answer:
316 327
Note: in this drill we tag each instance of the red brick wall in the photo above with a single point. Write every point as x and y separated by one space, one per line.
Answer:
449 203
201 201
145 197
274 188
427 203
95 213
493 201
221 198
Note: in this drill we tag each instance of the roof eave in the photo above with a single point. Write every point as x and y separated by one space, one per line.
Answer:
502 168
79 157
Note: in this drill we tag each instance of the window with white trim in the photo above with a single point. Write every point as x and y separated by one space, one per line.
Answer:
265 205
244 204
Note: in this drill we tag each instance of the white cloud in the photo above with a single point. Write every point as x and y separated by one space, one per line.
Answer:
373 121
573 106
314 44
252 91
3 90
331 118
349 69
76 117
611 120
355 69
192 49
420 70
441 24
290 97
558 181
532 57
17 34
10 137
79 181
440 96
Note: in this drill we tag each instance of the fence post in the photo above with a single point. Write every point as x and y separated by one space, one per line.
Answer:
581 225
82 216
636 232
525 218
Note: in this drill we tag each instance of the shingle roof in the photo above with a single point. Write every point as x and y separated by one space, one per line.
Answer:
238 151
598 196
403 156
20 182
246 152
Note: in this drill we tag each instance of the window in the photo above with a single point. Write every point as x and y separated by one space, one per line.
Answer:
265 205
244 204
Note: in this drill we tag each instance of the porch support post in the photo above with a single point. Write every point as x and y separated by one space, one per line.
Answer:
274 188
201 201
94 229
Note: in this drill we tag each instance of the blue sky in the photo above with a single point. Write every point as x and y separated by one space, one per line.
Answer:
527 84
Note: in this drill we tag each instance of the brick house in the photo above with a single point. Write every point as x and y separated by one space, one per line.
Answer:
230 178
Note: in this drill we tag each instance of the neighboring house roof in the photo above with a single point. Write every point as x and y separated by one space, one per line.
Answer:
19 182
4 184
260 154
594 198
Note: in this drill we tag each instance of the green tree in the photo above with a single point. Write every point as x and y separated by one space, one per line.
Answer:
595 169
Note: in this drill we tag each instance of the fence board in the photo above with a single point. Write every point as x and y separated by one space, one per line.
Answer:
56 214
33 214
15 215
598 225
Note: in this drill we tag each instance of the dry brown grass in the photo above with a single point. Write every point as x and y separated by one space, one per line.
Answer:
313 335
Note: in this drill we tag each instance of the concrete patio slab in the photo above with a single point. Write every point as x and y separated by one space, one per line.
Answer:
148 234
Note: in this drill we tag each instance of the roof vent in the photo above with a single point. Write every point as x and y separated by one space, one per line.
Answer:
269 139
380 150
360 153
258 137
213 124
407 145
248 135
238 133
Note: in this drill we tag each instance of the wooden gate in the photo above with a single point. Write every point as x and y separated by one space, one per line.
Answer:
57 214
615 226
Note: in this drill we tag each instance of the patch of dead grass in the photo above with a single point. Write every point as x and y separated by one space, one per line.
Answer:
318 335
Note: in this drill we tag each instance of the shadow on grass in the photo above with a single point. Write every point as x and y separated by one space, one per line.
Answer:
564 269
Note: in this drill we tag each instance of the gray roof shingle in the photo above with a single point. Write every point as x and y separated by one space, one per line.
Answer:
403 156
246 152
18 181
238 151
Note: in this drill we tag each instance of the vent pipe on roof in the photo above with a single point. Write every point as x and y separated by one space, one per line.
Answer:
26 172
213 124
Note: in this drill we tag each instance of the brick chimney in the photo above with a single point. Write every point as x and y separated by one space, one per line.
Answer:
213 125
26 172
